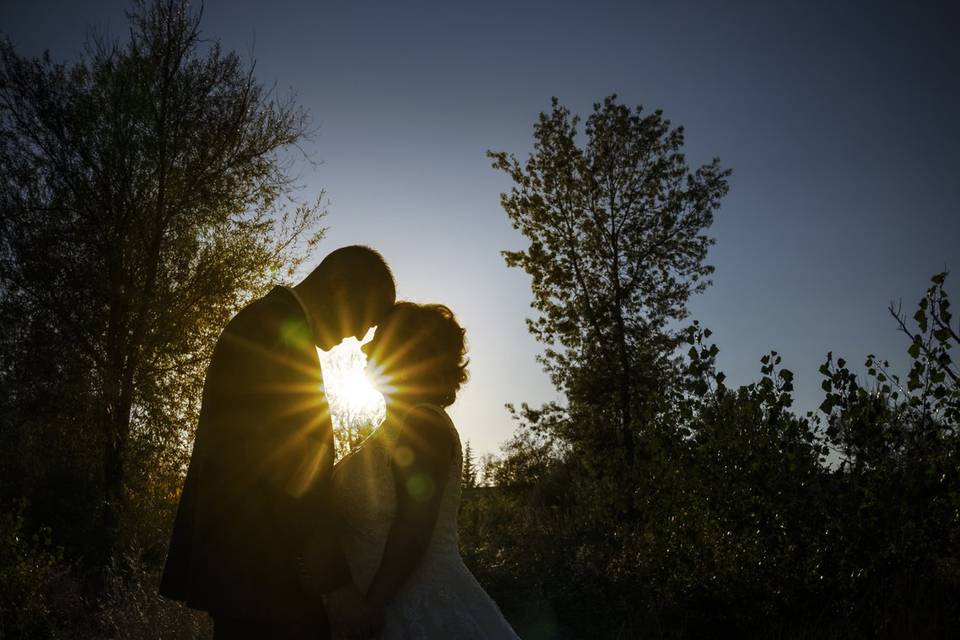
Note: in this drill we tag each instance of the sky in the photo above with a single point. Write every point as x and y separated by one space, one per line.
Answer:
837 118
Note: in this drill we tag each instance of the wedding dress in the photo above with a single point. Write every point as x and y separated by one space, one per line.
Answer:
441 598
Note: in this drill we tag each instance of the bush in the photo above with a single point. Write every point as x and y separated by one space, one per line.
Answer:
731 521
131 608
30 568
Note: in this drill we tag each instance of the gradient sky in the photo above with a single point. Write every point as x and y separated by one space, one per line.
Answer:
839 120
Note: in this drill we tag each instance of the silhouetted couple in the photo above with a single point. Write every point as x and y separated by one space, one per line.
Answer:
276 542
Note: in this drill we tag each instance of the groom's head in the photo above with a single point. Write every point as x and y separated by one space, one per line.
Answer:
349 292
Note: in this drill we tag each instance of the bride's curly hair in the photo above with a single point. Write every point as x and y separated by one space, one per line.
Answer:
427 348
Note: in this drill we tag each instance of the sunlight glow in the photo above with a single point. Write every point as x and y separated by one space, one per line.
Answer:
354 403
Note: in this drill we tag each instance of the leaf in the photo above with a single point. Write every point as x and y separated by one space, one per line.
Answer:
827 406
921 317
945 316
914 350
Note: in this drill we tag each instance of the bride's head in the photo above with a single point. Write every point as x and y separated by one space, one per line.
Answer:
418 354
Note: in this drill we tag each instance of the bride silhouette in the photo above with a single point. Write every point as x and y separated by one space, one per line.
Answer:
399 492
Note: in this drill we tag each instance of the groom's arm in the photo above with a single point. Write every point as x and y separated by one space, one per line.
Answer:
322 564
281 440
300 464
284 440
423 455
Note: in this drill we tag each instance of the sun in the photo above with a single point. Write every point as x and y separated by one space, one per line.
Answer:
354 403
357 392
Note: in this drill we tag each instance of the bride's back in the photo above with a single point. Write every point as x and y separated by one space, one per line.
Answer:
366 490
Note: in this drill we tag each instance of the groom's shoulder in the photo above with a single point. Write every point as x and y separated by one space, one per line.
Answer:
263 317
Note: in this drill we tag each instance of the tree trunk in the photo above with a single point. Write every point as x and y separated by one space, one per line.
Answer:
117 436
626 378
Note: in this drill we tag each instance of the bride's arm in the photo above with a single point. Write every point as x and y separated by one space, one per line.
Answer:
422 457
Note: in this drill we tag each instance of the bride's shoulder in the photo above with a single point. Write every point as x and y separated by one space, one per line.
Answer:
428 425
428 409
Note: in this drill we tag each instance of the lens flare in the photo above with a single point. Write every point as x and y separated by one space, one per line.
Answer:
353 400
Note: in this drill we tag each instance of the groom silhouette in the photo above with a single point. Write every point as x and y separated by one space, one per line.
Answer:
255 539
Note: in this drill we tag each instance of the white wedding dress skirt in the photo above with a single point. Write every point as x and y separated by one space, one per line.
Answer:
441 599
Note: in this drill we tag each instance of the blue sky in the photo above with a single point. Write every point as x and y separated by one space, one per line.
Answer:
837 118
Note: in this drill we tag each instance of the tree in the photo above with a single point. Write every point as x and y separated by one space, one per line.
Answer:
615 223
616 248
144 199
898 439
659 501
469 472
742 528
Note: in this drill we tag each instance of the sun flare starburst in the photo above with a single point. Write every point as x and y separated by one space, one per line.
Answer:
354 402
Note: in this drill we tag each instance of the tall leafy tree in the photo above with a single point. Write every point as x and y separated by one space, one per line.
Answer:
616 224
144 196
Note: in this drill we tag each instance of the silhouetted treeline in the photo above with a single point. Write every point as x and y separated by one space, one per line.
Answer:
659 502
731 523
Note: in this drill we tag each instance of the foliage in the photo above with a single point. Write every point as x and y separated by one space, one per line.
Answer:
731 515
28 568
130 606
616 248
143 201
899 468
468 471
746 522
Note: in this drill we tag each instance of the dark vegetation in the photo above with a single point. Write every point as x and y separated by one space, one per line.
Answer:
141 204
660 502
144 199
